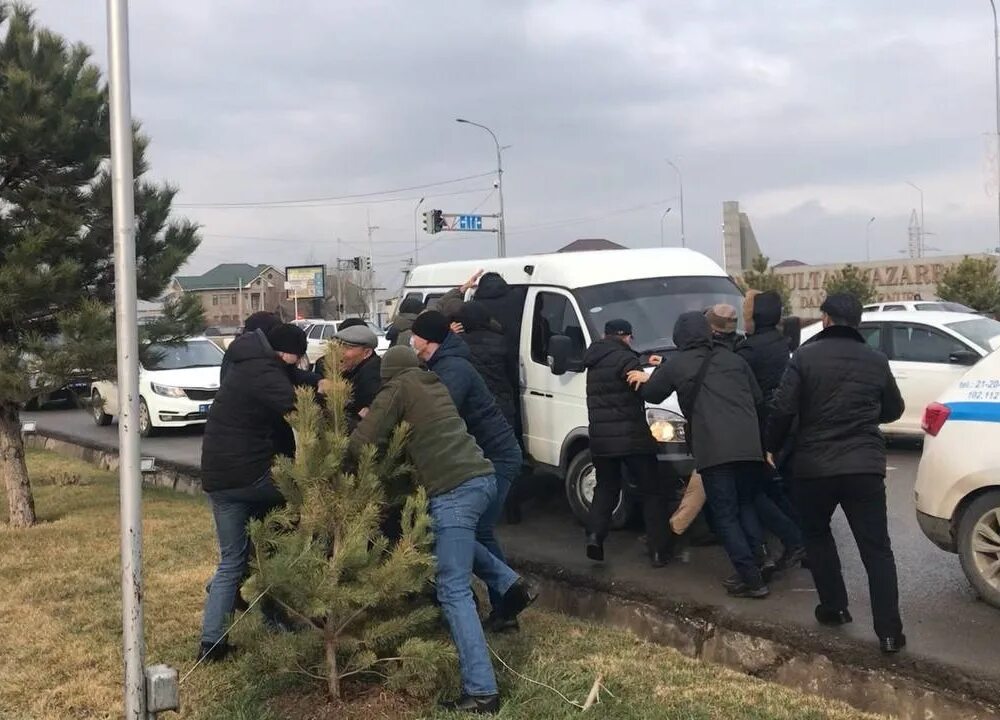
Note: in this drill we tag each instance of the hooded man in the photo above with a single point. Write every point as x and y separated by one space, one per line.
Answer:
841 391
242 437
399 333
488 354
446 355
461 487
722 320
766 351
719 397
620 440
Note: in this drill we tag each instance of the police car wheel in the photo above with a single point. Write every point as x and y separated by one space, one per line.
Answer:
581 480
979 545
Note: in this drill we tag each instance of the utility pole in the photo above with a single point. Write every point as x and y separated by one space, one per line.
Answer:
501 233
921 231
416 248
996 82
662 218
371 266
239 304
868 244
340 286
680 180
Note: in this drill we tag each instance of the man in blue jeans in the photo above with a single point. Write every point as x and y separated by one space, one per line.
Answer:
461 487
448 357
719 396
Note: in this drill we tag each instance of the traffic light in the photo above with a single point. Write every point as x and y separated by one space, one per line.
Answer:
356 261
438 221
429 222
368 263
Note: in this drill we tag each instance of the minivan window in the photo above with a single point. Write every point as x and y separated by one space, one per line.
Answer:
554 314
653 305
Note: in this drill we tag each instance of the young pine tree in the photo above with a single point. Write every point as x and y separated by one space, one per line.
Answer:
762 277
854 281
56 246
325 560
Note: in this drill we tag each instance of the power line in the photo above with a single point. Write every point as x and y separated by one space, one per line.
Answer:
589 218
274 203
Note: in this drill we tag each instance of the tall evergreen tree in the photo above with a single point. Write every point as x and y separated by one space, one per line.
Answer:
973 282
852 280
56 245
325 559
761 276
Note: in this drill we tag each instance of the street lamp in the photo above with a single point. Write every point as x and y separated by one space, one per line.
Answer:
868 245
501 234
921 215
416 250
996 82
662 218
680 180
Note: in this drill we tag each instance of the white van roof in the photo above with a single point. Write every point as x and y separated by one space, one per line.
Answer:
572 269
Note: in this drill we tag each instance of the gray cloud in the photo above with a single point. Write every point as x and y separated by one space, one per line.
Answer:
813 114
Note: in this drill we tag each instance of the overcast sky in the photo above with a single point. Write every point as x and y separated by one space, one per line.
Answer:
813 114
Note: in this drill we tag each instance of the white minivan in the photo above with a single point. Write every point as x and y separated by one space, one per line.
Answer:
566 298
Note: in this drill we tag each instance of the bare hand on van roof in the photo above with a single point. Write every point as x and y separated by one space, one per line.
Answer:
472 281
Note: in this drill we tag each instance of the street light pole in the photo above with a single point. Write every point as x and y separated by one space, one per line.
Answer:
921 238
416 249
996 82
501 232
127 339
680 180
662 218
868 245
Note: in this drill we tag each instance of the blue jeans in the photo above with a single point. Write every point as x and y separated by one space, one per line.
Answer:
730 490
456 516
507 469
232 509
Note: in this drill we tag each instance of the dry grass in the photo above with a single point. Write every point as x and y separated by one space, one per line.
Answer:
60 633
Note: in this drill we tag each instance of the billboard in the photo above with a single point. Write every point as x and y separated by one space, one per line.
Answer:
306 282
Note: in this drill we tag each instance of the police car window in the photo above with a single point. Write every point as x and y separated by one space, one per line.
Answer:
554 314
916 343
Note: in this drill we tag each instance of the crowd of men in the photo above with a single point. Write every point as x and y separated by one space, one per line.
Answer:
779 439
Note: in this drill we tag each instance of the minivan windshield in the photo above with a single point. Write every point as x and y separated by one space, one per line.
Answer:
653 305
190 354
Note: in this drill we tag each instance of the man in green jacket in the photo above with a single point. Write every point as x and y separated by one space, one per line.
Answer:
460 485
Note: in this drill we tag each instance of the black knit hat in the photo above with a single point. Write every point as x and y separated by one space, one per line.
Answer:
350 322
618 327
843 309
262 320
431 326
289 339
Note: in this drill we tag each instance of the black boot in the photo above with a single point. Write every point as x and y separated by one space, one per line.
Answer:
595 547
515 600
832 618
475 704
892 645
211 652
790 558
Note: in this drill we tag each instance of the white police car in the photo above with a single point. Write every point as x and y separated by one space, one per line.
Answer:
958 483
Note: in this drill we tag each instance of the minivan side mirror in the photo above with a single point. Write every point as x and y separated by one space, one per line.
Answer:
964 357
560 347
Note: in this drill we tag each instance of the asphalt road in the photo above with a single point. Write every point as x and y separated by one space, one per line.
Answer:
944 621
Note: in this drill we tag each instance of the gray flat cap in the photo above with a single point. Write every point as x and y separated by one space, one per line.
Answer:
360 335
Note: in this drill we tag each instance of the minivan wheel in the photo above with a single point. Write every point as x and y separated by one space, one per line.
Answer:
101 418
581 481
979 545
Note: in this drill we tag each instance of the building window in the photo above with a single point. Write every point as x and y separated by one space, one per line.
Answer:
215 300
232 299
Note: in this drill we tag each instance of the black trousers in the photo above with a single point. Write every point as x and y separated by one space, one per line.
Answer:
863 499
655 495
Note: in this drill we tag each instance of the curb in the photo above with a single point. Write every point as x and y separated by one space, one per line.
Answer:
906 688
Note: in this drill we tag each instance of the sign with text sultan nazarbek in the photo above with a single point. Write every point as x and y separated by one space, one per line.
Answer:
306 282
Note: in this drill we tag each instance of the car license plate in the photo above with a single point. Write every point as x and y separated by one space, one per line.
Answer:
203 409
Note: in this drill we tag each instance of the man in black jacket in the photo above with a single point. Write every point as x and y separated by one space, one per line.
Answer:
766 351
723 435
841 390
620 440
236 456
360 366
489 354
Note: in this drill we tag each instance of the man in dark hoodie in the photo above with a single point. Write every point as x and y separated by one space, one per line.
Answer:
506 305
620 440
841 391
488 354
449 358
239 446
399 332
719 397
766 351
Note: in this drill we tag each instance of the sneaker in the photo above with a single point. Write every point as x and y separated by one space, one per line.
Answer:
211 652
515 600
755 592
790 558
497 623
474 704
732 582
659 559
892 645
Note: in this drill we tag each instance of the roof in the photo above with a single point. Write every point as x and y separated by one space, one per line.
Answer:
590 244
790 263
571 270
226 276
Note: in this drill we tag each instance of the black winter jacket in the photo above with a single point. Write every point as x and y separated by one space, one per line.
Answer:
505 305
474 401
241 437
723 420
617 413
488 355
400 332
840 390
365 381
766 350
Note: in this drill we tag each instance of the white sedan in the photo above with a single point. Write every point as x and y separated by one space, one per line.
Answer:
176 387
320 332
921 305
927 351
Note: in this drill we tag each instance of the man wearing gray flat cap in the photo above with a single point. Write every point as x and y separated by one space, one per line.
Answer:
360 366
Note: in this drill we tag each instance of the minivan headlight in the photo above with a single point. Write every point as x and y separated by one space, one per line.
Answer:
168 391
665 425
